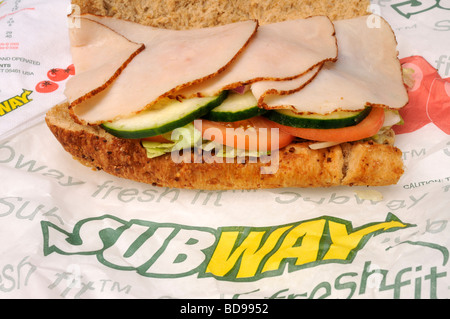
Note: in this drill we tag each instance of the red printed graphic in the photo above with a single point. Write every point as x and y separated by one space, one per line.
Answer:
429 98
54 75
414 113
46 87
57 74
438 107
70 69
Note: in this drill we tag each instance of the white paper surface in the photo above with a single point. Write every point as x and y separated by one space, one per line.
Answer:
33 41
70 232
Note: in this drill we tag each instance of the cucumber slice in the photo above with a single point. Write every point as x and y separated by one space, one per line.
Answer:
163 117
336 119
236 107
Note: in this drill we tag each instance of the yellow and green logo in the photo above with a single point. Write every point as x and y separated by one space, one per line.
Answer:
239 253
14 102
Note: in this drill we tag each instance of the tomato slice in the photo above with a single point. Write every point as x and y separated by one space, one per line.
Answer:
255 134
364 129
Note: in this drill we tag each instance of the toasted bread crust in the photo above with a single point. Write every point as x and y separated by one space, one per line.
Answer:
359 163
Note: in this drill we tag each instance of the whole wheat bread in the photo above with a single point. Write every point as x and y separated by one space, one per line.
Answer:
187 14
360 163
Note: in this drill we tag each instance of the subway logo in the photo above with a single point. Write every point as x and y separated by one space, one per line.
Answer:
237 253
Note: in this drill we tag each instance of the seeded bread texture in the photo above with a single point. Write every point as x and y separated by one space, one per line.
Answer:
359 163
187 14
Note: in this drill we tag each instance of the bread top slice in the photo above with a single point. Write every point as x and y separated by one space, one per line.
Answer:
188 14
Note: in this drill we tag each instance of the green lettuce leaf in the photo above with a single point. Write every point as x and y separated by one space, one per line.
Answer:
181 138
189 137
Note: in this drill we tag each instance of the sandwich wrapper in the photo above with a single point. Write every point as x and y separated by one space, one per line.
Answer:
70 232
33 43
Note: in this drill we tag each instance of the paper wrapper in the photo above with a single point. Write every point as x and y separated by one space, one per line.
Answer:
33 42
70 232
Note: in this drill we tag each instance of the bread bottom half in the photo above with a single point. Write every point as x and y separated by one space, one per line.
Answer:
363 163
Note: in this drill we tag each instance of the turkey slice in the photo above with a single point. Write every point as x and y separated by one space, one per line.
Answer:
367 72
279 51
172 59
262 88
99 54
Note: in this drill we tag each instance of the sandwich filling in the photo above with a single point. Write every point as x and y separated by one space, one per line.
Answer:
238 89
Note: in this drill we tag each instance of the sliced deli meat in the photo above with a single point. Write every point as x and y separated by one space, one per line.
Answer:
279 51
367 72
172 59
262 88
100 54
